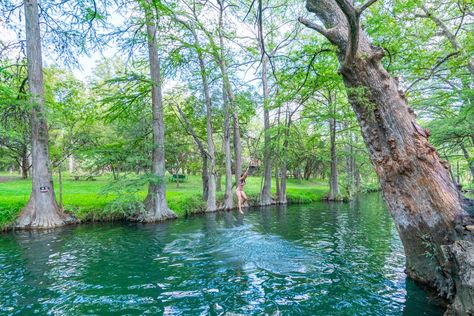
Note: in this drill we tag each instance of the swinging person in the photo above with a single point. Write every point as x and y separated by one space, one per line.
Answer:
241 196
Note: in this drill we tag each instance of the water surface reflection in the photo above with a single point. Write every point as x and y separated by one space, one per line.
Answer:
325 259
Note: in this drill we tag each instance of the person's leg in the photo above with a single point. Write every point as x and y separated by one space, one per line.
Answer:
244 197
239 200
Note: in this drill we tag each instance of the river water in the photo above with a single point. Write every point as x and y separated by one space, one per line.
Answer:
318 259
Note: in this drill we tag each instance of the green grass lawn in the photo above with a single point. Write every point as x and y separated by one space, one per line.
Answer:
87 200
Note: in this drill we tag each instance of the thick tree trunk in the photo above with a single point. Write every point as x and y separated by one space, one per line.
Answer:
42 210
334 193
156 208
427 208
266 194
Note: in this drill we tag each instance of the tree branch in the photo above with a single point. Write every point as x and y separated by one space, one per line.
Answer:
352 16
365 6
320 29
432 70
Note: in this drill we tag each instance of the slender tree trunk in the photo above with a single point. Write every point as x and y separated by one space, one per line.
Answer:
233 110
205 178
226 94
334 193
277 181
350 165
114 173
357 179
219 182
71 164
228 198
458 175
202 151
42 210
211 197
427 208
156 208
237 146
266 194
470 162
24 163
282 197
177 177
60 174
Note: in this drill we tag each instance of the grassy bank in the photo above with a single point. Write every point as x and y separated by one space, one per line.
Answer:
88 201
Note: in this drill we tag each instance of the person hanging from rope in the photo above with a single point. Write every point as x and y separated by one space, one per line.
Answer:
241 196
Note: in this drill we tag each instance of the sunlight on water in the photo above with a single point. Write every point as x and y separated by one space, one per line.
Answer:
319 259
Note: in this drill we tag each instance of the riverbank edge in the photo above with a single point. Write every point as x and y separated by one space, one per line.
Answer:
188 206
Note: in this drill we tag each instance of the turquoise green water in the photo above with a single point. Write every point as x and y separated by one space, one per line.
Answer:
319 259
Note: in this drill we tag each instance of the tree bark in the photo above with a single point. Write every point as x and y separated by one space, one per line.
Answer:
427 208
156 208
42 210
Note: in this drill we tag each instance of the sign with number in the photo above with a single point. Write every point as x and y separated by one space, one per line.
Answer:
44 189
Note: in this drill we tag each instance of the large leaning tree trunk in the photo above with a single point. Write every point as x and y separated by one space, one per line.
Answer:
42 210
156 208
425 204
